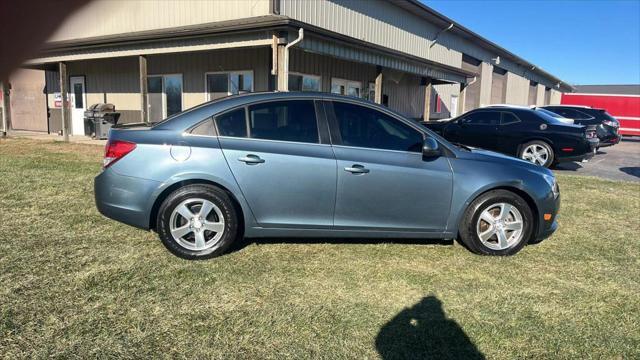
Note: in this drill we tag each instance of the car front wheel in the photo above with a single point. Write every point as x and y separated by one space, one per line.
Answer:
197 222
498 222
537 152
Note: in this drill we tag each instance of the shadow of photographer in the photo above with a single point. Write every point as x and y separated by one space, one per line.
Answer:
424 332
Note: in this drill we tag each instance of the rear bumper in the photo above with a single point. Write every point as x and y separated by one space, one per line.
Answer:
125 199
610 141
585 151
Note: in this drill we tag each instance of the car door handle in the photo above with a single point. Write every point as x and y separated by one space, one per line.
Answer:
357 169
251 159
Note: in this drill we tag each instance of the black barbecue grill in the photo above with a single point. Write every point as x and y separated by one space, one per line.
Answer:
99 118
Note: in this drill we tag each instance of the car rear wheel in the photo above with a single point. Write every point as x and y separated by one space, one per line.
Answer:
197 222
498 222
537 152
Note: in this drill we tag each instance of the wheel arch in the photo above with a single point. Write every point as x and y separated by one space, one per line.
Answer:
514 189
153 215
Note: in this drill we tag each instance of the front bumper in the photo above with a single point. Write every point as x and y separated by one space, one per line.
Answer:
124 198
547 227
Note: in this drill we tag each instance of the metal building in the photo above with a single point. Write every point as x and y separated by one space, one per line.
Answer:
155 58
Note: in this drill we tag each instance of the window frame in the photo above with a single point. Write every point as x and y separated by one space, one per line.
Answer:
334 127
228 73
318 77
321 121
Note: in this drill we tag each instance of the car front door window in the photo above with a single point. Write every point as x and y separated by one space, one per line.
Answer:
368 128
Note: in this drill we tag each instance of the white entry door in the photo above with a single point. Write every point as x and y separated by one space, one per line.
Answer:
454 106
78 103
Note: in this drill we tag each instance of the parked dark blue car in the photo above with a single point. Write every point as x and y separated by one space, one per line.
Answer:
316 165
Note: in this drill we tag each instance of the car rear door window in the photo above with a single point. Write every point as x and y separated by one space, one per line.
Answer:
293 120
482 118
365 127
233 123
508 118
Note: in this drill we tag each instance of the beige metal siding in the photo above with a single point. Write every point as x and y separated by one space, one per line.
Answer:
379 22
498 86
547 96
533 92
116 80
555 97
517 90
472 96
28 101
327 67
110 17
540 95
485 84
404 92
193 67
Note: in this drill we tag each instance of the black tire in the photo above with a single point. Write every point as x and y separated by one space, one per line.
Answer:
202 191
469 235
550 159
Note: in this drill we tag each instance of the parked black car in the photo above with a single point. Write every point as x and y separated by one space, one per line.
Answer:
606 125
528 134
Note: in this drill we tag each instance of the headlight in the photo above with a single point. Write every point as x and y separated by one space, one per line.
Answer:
551 180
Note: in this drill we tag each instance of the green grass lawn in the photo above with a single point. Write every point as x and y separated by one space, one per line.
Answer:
75 284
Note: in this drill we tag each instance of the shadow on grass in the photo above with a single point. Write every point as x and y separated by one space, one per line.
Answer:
424 332
242 243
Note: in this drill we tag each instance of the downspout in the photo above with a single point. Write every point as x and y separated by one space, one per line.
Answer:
286 57
435 39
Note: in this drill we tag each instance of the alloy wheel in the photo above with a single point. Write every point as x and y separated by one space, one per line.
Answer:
500 226
536 154
197 224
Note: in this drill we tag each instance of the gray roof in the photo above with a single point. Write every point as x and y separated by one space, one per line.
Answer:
633 89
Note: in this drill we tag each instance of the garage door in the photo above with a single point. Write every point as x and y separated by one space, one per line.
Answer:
472 96
533 91
498 86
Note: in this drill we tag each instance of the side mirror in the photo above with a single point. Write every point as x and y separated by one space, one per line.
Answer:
430 148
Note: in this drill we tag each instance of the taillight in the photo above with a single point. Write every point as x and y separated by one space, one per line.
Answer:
116 150
611 123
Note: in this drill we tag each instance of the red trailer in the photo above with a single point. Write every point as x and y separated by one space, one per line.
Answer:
620 101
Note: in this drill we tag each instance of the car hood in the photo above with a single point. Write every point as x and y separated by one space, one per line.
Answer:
494 157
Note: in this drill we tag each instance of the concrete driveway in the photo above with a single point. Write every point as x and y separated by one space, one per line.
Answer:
618 162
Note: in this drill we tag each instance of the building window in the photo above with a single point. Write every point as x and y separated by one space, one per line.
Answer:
303 82
222 84
164 94
371 92
346 87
